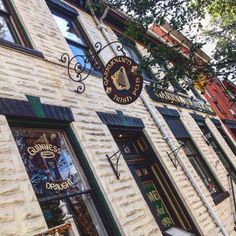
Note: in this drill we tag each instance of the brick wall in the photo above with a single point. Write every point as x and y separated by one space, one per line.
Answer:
47 78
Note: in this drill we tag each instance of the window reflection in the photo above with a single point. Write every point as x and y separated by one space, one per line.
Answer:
48 159
67 28
73 38
48 162
2 7
5 32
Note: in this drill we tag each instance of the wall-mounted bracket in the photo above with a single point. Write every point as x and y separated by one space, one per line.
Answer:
114 161
173 155
79 67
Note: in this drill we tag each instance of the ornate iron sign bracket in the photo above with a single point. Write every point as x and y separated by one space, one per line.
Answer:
79 67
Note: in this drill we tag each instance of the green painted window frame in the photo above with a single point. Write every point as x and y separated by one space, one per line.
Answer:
22 41
223 194
110 224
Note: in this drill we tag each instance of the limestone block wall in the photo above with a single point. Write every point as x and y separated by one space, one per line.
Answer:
20 213
22 74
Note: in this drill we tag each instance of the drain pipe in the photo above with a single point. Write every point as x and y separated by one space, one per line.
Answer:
102 27
184 167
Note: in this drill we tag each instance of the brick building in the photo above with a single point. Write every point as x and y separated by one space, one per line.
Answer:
54 143
221 101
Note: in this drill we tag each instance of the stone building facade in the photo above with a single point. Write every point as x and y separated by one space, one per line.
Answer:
50 132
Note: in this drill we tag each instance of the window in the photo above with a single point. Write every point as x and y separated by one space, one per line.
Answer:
72 35
65 17
150 176
56 176
195 158
196 93
135 55
7 31
217 148
225 136
176 86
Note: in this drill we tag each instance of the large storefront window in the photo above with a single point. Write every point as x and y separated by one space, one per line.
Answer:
153 182
217 148
56 176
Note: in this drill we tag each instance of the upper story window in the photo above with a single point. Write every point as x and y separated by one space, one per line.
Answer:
226 137
135 55
7 30
217 148
196 159
72 35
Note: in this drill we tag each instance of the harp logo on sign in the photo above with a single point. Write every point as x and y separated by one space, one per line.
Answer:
122 80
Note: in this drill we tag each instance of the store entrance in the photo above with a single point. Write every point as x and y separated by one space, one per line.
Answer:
156 188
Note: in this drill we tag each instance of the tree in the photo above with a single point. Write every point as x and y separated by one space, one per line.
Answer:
183 16
223 33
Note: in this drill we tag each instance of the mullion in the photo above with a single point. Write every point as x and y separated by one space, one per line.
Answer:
76 44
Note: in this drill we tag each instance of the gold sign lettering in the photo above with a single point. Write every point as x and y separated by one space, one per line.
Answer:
59 186
153 196
46 149
122 81
168 97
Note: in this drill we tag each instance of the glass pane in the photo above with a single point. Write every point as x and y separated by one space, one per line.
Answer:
48 159
2 6
199 166
76 50
5 32
66 26
134 55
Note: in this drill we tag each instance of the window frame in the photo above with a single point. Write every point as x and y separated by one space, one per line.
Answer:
175 202
224 134
102 207
7 15
206 167
129 44
23 43
63 12
216 146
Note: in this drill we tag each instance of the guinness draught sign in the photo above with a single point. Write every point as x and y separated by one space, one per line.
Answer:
122 80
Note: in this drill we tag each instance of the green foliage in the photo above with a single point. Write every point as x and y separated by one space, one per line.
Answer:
184 16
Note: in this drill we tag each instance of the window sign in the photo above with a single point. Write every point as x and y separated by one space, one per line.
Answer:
48 162
156 201
48 159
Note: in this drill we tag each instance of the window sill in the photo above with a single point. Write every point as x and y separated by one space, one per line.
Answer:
20 48
220 197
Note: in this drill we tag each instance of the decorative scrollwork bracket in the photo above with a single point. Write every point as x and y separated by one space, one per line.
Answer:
79 67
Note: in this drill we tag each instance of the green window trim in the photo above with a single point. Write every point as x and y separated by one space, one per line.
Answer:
39 123
22 30
203 165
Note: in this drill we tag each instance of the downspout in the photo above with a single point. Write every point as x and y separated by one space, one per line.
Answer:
184 167
102 27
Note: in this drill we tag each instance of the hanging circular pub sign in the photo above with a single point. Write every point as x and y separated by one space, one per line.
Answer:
122 80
